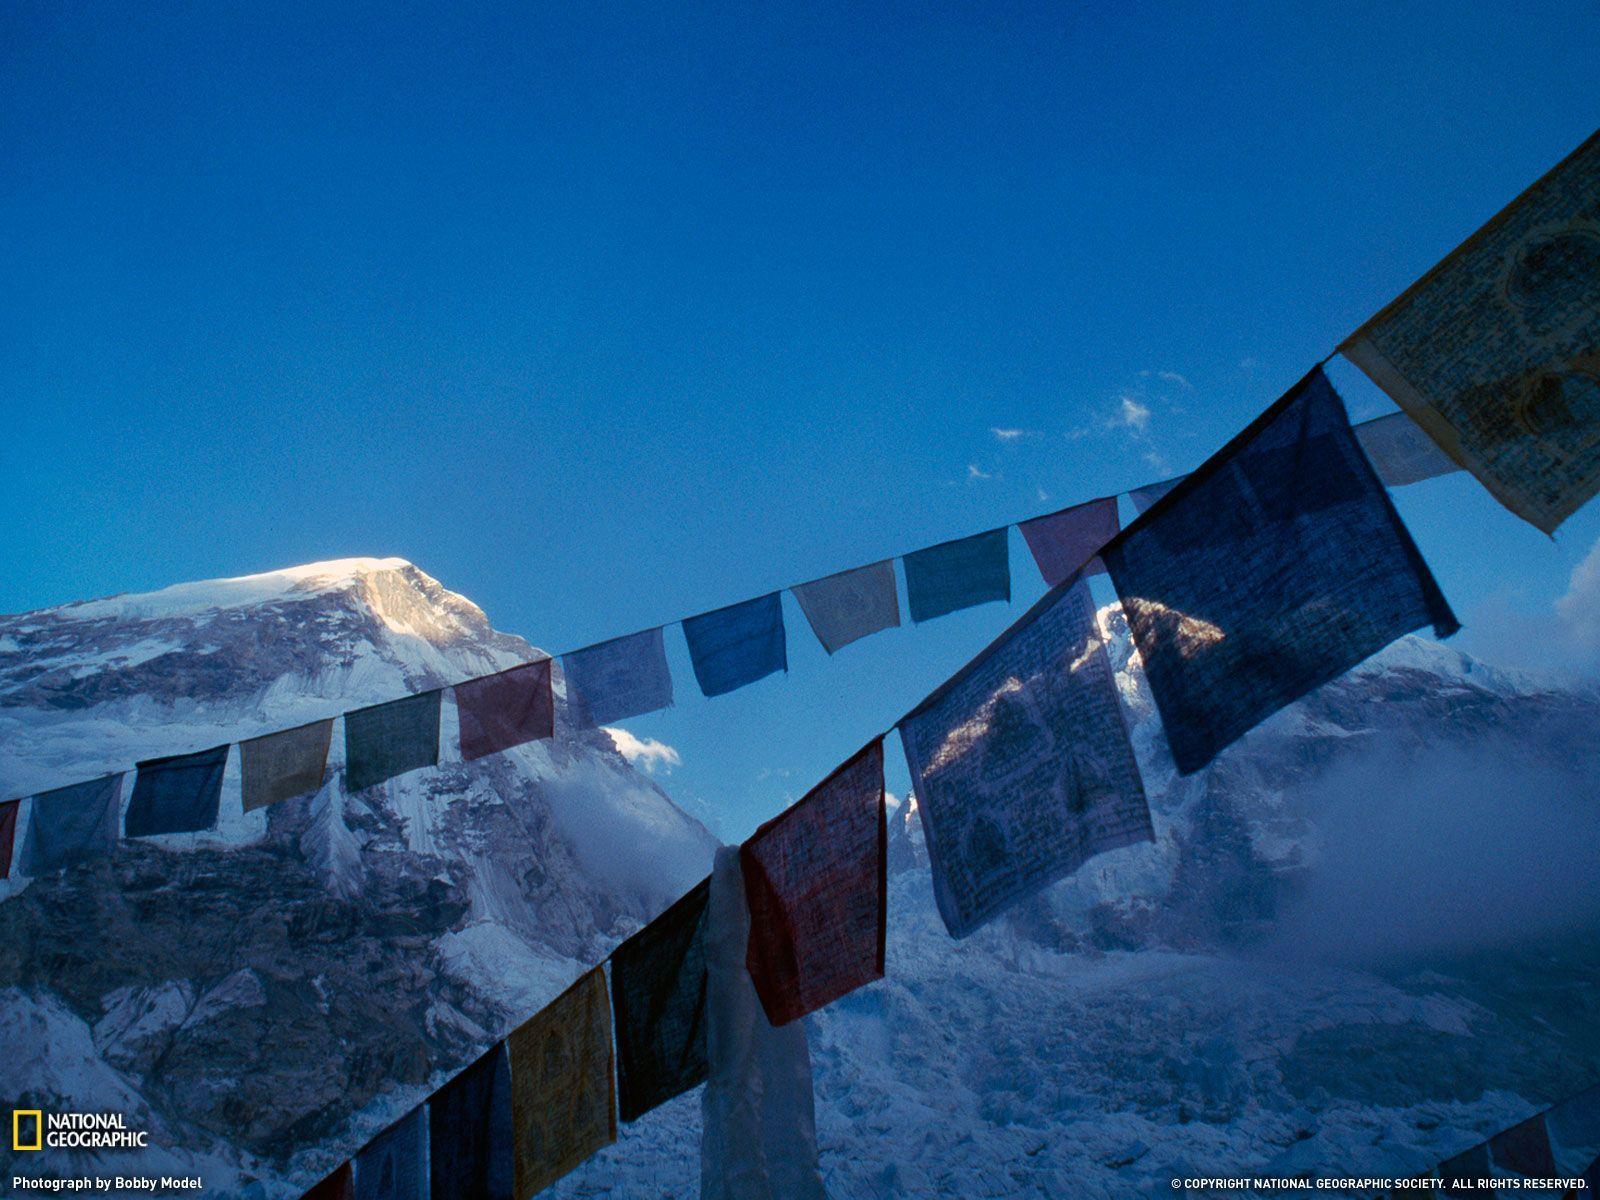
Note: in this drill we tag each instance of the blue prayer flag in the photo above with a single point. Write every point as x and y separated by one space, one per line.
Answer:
1147 495
394 1164
72 824
1277 566
1021 763
959 574
177 794
737 645
390 739
470 1132
621 678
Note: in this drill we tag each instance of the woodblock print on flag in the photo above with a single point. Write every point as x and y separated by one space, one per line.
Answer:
470 1153
394 1165
1400 452
624 677
563 1100
1272 569
281 766
845 607
504 710
1068 541
735 646
960 574
1021 763
72 824
1495 352
815 880
386 740
177 794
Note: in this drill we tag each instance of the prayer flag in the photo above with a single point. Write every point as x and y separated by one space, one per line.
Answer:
390 739
844 607
1066 542
1574 1127
759 1131
1400 452
815 879
1465 1168
394 1165
959 574
177 794
621 678
563 1101
1144 497
737 645
1495 352
469 1132
8 833
335 1187
1524 1149
658 995
72 824
281 766
1021 763
1277 566
505 710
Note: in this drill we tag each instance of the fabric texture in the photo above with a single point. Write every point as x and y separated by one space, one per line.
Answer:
469 1132
393 1166
1495 352
563 1101
8 834
658 998
846 607
1144 497
281 766
737 645
621 678
1524 1149
179 794
1272 569
505 710
390 739
759 1129
1465 1167
72 825
957 575
1068 541
1021 763
1400 452
335 1187
816 877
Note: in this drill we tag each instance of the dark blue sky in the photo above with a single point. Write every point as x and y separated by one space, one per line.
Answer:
608 314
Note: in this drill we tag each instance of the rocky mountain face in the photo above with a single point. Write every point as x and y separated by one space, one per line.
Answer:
1364 939
265 996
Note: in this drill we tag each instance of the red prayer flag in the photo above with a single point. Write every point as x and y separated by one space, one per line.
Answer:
336 1186
816 877
505 710
1067 541
1525 1149
8 833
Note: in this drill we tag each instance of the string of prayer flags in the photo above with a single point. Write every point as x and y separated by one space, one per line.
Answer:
621 678
737 645
469 1132
500 711
281 766
1495 352
8 833
1278 565
845 607
816 879
390 739
1021 763
563 1100
177 794
72 825
394 1165
959 574
1066 542
1145 496
759 1128
1524 1149
336 1186
1400 452
658 998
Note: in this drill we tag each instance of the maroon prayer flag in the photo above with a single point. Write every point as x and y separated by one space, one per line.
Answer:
336 1186
8 833
1068 541
815 876
505 710
1525 1149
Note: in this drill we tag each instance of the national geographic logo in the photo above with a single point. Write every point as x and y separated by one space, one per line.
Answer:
33 1129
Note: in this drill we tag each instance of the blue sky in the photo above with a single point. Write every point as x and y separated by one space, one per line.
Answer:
604 315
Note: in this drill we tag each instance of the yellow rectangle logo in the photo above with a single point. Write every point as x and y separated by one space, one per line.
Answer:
16 1128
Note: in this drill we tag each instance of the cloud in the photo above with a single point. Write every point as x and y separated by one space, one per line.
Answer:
974 474
1578 609
1011 435
1131 414
646 753
1172 377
